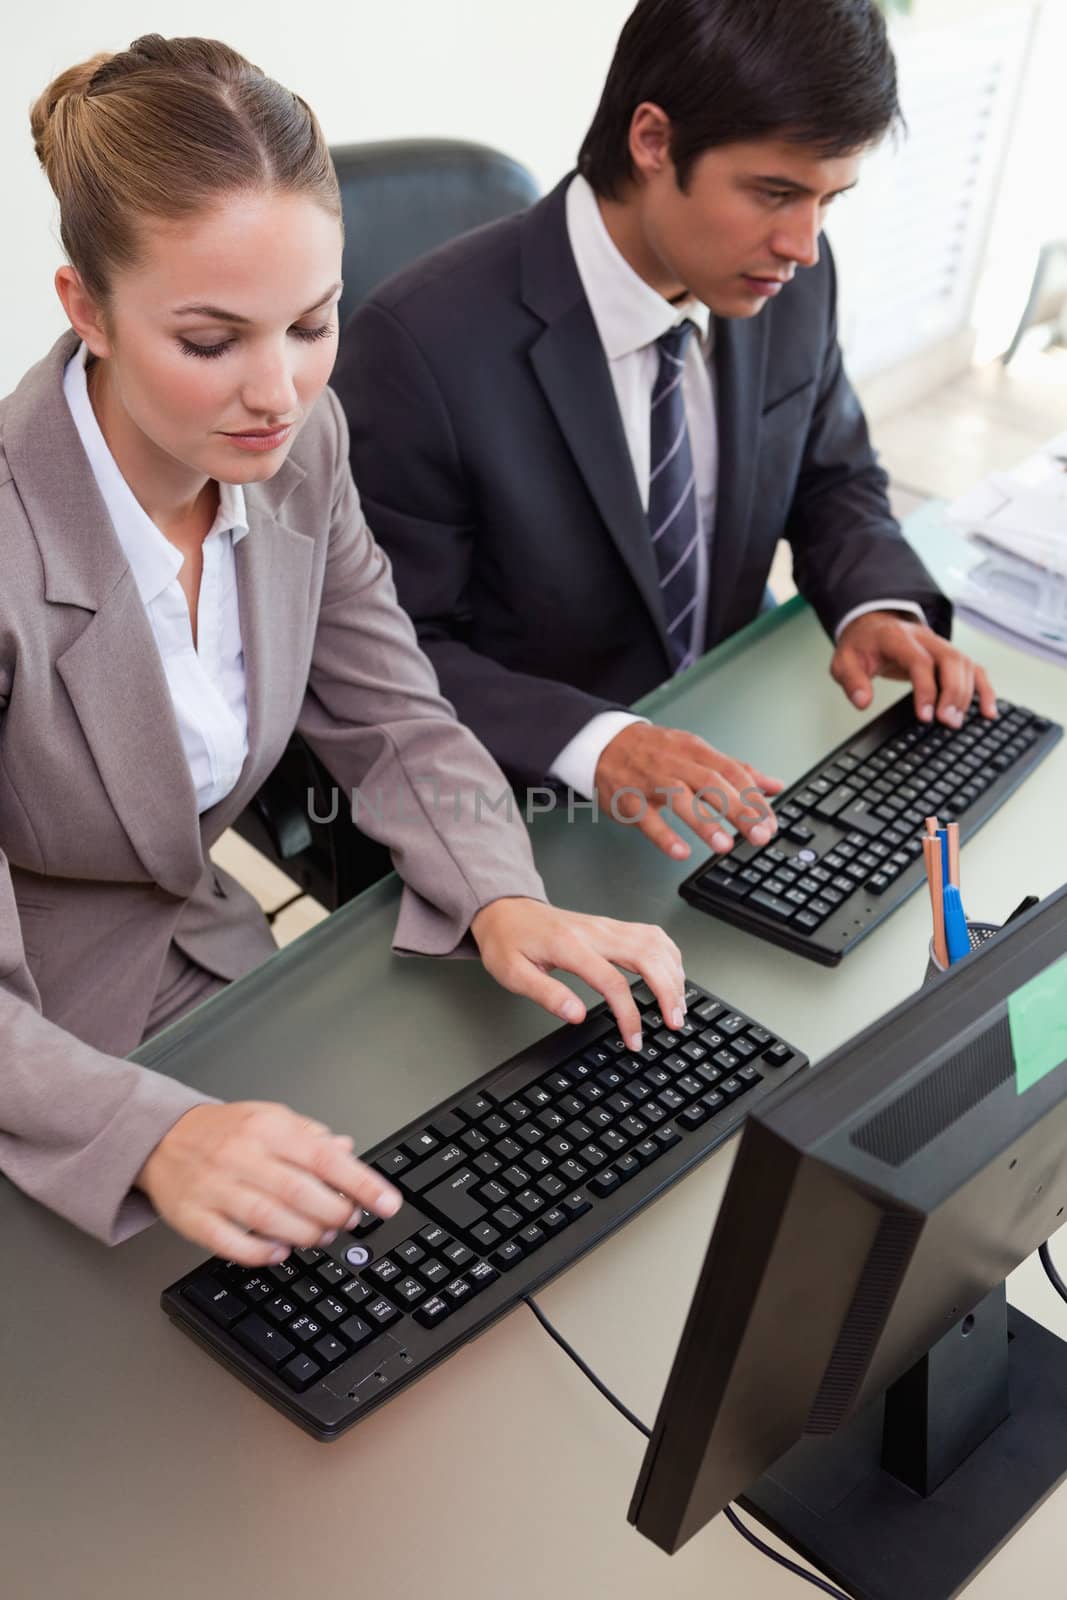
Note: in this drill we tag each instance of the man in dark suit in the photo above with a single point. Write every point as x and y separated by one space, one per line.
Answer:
581 432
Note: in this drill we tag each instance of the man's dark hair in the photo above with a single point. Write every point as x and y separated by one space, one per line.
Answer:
816 72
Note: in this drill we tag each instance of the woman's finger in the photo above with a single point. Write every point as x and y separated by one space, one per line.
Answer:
647 951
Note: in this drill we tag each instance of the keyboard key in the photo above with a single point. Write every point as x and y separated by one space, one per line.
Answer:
433 1237
507 1219
576 1205
285 1273
367 1225
256 1289
693 1116
267 1343
309 1258
393 1163
431 1171
329 1349
280 1309
627 1167
474 1108
481 1275
509 1255
772 905
447 1125
330 1274
433 1312
408 1290
301 1371
554 1220
458 1291
667 1138
493 1193
451 1199
305 1330
859 818
435 1272
485 1234
605 1182
420 1144
779 1055
329 1310
307 1291
381 1312
355 1332
551 1185
385 1270
211 1297
458 1254
410 1252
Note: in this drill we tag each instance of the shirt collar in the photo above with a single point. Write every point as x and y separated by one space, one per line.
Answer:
628 312
153 560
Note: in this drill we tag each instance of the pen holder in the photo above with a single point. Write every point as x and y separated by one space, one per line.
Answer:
977 933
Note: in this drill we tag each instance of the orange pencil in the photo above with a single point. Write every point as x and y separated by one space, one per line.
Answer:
931 827
954 853
932 855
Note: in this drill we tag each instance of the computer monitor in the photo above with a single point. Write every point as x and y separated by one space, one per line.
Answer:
850 1367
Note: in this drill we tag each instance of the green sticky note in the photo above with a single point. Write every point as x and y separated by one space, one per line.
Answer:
1037 1014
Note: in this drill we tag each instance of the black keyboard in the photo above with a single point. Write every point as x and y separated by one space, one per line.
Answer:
505 1185
849 847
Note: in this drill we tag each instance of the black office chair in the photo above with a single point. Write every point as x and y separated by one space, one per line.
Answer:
400 198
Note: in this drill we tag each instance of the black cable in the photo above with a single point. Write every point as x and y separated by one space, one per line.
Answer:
1050 1271
728 1511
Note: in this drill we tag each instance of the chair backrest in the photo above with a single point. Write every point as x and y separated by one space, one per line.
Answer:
403 197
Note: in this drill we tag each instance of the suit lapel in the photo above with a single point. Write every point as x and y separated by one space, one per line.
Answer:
117 686
739 365
112 670
569 363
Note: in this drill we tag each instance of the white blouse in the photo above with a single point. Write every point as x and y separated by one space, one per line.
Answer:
206 679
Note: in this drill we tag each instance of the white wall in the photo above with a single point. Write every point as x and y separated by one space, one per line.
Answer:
523 77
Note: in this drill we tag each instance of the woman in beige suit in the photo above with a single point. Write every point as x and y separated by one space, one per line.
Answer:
187 578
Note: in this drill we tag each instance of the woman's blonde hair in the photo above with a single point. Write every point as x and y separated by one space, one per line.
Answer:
163 130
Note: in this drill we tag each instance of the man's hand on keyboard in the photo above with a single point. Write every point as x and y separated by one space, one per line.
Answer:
648 774
223 1170
885 644
521 941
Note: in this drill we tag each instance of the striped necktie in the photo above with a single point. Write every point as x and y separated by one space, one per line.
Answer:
673 517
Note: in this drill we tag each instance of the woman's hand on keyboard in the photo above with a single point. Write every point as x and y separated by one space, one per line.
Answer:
521 941
253 1180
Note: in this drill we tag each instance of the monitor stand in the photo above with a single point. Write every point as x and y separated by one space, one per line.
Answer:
918 1492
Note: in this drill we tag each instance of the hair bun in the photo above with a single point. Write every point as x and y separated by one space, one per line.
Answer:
74 81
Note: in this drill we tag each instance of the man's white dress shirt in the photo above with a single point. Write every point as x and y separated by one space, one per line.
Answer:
630 316
206 680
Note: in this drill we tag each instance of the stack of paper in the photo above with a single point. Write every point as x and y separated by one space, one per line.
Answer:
1019 520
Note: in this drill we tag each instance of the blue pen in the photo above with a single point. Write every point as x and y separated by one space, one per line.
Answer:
946 876
956 936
